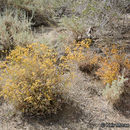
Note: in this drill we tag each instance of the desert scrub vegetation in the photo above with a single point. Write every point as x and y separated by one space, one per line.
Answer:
42 11
99 16
90 64
122 5
2 4
76 51
113 68
112 64
32 81
113 92
15 29
76 26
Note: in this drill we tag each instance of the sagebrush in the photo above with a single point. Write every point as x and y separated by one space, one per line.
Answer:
113 92
15 29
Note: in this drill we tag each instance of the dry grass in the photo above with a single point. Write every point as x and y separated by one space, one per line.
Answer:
15 29
41 10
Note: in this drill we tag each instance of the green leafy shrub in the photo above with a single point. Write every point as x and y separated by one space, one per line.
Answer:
32 81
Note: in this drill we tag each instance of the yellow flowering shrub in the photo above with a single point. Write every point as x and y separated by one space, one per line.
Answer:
77 51
80 52
32 80
112 64
90 64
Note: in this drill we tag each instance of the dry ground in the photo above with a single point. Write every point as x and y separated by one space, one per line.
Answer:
87 110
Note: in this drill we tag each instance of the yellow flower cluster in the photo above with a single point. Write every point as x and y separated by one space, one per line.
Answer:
31 79
112 64
108 71
76 51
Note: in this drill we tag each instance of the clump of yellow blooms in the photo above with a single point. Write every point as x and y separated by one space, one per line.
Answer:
112 64
77 51
108 71
32 80
35 81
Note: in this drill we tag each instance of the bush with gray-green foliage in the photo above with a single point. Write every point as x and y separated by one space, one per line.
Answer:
63 7
92 13
112 92
122 5
15 29
43 11
2 4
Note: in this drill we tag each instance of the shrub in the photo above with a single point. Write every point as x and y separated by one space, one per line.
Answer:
76 51
62 7
44 12
2 4
32 80
76 26
121 5
41 10
113 92
87 14
112 64
80 54
90 64
14 30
